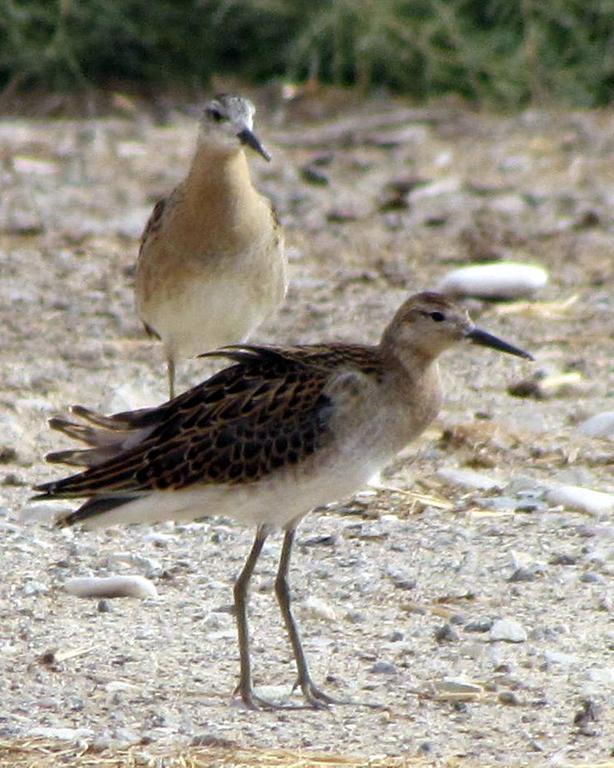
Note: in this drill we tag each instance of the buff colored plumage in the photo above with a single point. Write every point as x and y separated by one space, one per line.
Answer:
211 264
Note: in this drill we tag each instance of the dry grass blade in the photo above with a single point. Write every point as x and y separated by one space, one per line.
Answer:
545 310
45 753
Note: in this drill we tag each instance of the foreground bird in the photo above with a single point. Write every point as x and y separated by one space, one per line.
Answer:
283 430
211 264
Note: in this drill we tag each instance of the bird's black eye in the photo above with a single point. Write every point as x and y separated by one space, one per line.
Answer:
215 114
438 317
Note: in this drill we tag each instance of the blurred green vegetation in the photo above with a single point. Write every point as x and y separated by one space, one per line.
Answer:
503 53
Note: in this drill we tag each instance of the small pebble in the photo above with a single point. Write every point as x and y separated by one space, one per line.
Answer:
509 630
522 574
481 625
446 634
599 425
400 579
583 499
543 387
103 606
111 586
563 559
319 609
558 657
313 175
508 698
383 668
326 540
458 618
590 577
457 689
355 617
32 166
587 714
500 280
604 676
61 734
211 740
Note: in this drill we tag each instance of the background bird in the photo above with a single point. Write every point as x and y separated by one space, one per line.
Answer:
283 430
211 264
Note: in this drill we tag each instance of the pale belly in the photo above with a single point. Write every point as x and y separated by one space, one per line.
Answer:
199 308
281 499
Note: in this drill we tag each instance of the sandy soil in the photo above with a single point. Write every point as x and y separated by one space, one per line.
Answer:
396 589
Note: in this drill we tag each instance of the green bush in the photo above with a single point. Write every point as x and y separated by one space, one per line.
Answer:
501 52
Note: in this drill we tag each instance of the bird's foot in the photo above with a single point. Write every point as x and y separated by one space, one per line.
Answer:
252 700
316 698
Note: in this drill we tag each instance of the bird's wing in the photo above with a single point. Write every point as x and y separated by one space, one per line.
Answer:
272 409
154 221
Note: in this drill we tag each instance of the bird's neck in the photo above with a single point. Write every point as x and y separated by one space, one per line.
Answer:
414 382
219 176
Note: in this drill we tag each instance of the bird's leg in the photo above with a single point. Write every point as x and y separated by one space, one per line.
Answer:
246 684
170 369
313 695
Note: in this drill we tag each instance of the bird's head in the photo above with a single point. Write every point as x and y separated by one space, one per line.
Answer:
227 122
429 323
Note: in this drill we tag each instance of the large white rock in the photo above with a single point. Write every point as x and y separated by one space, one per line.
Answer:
500 280
111 586
583 499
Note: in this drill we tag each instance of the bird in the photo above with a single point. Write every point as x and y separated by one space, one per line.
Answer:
278 432
211 265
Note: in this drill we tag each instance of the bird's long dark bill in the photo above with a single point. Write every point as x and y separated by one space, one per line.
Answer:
251 140
484 339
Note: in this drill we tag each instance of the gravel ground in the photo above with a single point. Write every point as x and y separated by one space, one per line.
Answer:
476 608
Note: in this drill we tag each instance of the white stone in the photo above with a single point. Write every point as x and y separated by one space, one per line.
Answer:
111 586
602 675
31 166
62 734
509 630
583 499
317 608
459 685
115 686
500 280
558 657
447 186
467 478
599 425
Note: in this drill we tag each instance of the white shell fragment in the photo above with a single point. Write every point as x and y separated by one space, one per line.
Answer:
501 280
111 586
467 478
583 499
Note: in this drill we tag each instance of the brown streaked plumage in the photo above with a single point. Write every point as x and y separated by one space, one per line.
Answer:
282 430
211 264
